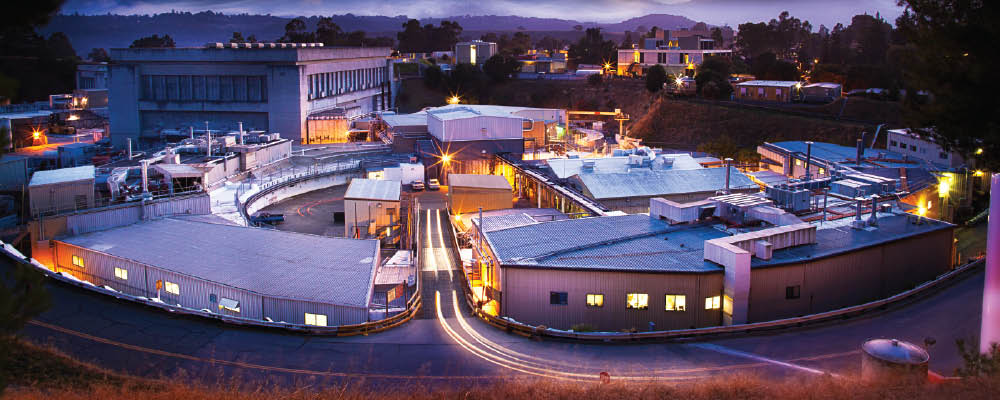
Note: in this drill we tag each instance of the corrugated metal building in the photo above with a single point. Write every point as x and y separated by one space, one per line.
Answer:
777 91
468 193
62 190
623 272
631 192
232 270
371 208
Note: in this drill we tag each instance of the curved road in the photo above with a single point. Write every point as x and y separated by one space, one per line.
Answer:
445 345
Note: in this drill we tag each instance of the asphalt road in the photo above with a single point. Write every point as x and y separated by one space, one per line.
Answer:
312 212
445 346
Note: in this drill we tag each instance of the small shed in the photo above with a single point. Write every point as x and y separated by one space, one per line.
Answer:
467 193
62 190
371 208
779 91
822 92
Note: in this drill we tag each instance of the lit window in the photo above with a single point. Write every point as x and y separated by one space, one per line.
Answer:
727 305
676 302
77 261
595 300
798 162
172 288
229 304
316 319
822 171
121 273
712 303
637 301
793 292
558 298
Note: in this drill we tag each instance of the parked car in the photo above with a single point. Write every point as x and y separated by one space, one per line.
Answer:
267 218
433 184
417 185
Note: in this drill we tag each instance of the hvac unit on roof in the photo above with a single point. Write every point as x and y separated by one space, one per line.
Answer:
588 165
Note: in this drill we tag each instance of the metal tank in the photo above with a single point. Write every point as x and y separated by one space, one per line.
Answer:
894 359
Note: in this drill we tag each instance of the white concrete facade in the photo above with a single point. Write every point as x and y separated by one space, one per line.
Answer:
273 89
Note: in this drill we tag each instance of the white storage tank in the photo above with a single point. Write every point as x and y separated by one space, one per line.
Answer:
893 359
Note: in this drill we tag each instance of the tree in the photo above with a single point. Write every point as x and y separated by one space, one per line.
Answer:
433 77
656 76
953 58
154 41
593 49
500 67
22 297
627 43
58 46
712 78
297 32
98 54
415 38
717 37
595 79
329 33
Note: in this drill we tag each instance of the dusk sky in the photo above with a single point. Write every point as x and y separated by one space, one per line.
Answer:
717 12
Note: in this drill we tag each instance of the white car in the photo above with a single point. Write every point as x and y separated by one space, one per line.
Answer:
433 184
417 185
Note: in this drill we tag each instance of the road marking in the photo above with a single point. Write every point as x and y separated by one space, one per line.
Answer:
725 350
444 248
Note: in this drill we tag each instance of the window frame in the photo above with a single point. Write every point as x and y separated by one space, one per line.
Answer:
679 302
713 302
595 300
793 292
77 261
167 286
315 319
558 298
121 273
641 298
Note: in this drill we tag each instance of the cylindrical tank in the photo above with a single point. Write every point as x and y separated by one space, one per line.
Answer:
893 359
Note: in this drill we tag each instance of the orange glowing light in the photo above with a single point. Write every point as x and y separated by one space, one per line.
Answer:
36 134
454 100
446 158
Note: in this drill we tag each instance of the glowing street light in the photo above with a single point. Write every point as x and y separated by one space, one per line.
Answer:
454 100
446 158
35 133
979 151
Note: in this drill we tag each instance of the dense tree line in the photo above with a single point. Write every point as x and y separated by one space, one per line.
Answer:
328 33
416 38
593 49
33 66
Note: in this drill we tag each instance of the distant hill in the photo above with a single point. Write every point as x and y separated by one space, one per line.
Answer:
195 29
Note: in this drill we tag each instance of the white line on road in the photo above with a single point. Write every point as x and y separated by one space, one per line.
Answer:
725 350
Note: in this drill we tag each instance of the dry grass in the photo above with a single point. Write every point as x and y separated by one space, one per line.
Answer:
35 372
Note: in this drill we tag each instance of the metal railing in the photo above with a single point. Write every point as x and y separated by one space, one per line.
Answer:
106 202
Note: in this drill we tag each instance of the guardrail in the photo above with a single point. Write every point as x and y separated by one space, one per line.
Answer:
274 184
843 313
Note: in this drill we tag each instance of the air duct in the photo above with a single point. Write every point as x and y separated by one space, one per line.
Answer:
809 146
729 162
128 142
873 220
861 149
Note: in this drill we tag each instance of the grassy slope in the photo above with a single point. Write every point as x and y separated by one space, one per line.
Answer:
45 374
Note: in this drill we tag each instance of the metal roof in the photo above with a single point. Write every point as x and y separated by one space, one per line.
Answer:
662 182
478 181
373 189
835 237
396 120
62 175
825 85
567 167
510 217
618 243
845 154
270 262
768 83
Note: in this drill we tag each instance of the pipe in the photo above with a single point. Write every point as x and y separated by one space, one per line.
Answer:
860 152
240 124
809 146
990 328
128 141
208 141
873 220
145 177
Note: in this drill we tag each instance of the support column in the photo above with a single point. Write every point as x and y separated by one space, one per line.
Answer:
990 328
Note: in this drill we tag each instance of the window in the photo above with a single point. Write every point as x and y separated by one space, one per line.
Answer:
777 92
316 319
558 298
798 162
595 300
893 143
77 261
727 305
637 301
760 92
822 171
712 303
793 292
743 91
943 155
676 302
172 288
121 273
229 304
913 147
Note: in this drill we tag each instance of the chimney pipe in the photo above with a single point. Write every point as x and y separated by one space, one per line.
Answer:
145 177
208 141
240 124
128 141
729 162
191 131
873 220
809 146
861 148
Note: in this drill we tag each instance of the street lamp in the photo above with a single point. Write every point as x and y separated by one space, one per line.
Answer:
454 100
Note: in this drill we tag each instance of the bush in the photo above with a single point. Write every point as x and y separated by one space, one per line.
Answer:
595 79
656 76
582 328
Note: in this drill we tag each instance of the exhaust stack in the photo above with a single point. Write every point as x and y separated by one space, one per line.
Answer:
809 146
729 162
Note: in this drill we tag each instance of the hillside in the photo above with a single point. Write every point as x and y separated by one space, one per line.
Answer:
195 29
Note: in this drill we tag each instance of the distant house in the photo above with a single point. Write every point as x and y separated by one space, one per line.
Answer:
776 91
475 52
679 52
912 144
822 92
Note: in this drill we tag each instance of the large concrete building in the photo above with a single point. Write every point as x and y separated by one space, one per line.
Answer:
475 52
679 54
271 87
681 268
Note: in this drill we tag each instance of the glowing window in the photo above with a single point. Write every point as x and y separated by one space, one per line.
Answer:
798 162
77 261
172 288
822 171
727 305
676 302
121 273
595 300
713 303
316 319
637 301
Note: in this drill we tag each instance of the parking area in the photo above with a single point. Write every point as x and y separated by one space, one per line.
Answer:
312 212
